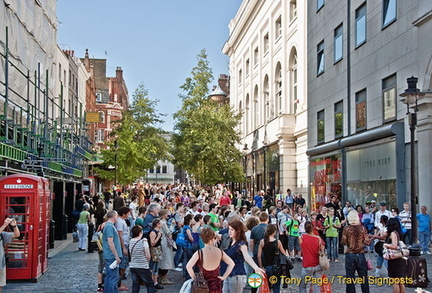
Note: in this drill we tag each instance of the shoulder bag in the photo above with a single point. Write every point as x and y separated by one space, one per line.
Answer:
322 257
199 284
400 252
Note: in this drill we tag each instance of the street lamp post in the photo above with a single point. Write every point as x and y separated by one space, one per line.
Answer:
410 98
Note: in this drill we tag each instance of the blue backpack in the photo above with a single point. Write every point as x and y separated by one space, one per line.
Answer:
403 229
182 239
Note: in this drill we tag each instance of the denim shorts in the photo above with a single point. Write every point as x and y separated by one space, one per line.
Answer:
154 266
124 262
293 242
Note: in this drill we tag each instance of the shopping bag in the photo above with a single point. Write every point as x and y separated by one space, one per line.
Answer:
326 286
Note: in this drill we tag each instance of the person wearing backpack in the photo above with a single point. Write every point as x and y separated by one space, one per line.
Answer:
209 259
332 225
293 235
185 240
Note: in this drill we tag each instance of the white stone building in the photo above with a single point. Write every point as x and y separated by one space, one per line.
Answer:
267 46
360 54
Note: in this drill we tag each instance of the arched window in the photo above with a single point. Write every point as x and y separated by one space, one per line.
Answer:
266 102
278 89
293 79
256 109
247 115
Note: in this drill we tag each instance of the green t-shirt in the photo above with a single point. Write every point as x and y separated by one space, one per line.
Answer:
332 231
292 227
213 219
83 217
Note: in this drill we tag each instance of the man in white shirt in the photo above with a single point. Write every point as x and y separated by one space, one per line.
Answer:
405 217
133 210
382 211
123 231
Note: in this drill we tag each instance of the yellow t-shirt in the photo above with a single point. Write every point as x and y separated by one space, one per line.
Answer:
83 217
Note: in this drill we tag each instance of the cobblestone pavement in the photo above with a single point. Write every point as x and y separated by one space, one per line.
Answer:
74 271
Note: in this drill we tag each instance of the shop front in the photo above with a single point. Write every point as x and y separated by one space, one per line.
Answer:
360 168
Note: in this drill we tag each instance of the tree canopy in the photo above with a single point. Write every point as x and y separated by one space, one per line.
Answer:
205 137
137 142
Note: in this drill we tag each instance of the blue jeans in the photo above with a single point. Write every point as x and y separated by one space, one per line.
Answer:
424 240
314 272
145 275
408 237
274 287
381 261
356 262
332 247
187 255
111 277
178 257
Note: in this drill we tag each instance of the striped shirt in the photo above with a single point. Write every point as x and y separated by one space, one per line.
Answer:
138 258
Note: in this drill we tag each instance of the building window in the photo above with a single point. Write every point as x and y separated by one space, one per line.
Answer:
267 101
389 98
100 135
102 117
278 88
389 12
266 44
60 72
164 169
256 56
360 25
338 112
151 171
338 43
320 126
99 97
320 58
158 169
278 28
241 120
294 80
293 9
240 77
320 4
361 110
247 67
247 114
256 117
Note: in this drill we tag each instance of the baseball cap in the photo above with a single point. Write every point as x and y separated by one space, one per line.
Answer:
373 201
383 204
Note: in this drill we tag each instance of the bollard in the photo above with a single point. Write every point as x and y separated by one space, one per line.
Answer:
90 235
52 234
65 226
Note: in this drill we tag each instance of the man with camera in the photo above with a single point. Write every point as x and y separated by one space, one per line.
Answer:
6 237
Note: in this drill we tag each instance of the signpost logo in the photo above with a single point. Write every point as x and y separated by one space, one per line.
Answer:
254 280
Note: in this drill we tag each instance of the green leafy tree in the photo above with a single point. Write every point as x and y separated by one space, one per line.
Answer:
140 142
205 139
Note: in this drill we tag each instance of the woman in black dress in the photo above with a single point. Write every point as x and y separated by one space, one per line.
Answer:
396 267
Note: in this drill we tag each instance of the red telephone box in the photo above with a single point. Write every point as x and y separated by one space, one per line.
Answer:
27 198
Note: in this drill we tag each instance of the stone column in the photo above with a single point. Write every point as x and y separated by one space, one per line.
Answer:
424 151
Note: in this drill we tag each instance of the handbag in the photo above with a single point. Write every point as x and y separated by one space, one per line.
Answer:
322 258
379 248
199 284
326 286
400 252
156 253
286 261
96 241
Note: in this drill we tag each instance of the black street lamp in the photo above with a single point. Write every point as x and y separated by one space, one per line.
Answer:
410 98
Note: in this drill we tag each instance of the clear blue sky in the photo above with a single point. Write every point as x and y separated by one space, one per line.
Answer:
154 41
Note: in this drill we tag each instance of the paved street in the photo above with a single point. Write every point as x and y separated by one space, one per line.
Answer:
73 271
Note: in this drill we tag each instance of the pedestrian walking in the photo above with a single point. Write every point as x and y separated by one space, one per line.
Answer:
355 237
267 251
6 237
396 267
167 262
83 220
155 239
123 231
424 224
139 264
209 259
238 252
112 253
311 245
332 225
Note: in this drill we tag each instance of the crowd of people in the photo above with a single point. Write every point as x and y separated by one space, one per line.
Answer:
228 235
